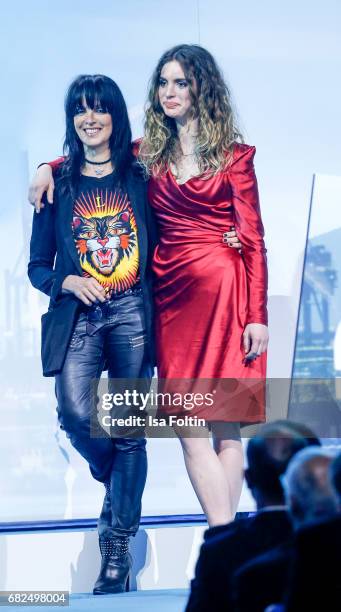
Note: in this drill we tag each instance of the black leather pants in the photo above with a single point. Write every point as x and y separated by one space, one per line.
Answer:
120 463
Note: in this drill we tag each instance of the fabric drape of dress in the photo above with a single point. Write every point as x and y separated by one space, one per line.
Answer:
206 293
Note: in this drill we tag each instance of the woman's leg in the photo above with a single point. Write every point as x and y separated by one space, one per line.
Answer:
207 476
228 446
216 473
128 361
83 363
126 352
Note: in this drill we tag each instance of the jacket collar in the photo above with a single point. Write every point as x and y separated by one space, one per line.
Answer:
65 205
136 196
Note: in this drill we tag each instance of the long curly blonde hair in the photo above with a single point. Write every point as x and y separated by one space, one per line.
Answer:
217 129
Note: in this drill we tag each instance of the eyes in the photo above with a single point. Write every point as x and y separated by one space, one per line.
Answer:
87 234
81 110
116 231
181 83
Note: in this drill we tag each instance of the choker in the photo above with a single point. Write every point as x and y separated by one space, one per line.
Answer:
98 171
97 163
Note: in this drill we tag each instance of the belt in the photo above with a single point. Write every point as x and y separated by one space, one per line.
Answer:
98 311
133 291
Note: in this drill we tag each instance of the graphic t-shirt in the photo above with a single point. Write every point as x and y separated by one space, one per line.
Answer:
105 233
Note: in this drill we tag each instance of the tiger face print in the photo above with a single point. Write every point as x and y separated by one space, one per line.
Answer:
103 241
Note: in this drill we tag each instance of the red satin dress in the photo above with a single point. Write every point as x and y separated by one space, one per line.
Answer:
205 292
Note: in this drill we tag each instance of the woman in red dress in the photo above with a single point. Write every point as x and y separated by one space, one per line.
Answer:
211 318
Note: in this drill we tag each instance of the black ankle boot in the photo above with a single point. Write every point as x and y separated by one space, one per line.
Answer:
115 568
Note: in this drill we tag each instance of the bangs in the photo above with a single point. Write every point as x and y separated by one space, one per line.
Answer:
93 91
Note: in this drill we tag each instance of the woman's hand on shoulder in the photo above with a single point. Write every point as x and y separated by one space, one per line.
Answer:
255 339
87 290
42 181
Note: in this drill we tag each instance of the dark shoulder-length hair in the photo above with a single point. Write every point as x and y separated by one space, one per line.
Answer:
95 90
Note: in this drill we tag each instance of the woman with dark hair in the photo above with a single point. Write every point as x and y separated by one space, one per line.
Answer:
211 317
89 253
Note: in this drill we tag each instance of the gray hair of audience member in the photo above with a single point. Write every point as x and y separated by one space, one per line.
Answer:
307 486
335 475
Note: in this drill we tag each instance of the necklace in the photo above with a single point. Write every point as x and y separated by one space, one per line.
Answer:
98 171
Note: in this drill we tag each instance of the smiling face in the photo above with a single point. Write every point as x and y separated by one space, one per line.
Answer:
93 126
174 93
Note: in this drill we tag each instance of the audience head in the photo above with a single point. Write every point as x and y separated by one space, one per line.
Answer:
335 474
308 489
303 430
268 455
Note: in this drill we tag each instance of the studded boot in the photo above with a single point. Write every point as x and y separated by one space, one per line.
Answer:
115 567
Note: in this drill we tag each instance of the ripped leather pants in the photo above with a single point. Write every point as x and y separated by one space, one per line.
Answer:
119 339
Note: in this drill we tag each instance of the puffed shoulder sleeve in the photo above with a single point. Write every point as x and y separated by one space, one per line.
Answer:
249 227
135 146
56 163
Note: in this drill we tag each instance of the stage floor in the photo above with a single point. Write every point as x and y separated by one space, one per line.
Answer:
170 600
